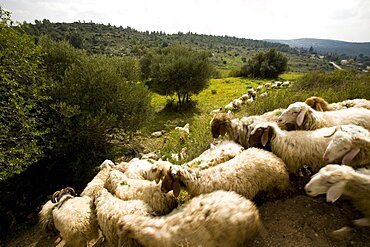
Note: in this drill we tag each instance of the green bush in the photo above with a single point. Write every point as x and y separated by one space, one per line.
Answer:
23 97
94 102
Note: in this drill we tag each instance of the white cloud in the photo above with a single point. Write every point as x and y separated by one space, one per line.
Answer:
258 19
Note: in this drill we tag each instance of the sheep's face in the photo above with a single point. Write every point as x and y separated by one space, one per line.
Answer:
338 147
329 180
293 115
261 136
218 125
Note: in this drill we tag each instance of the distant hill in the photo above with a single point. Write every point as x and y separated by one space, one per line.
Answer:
328 46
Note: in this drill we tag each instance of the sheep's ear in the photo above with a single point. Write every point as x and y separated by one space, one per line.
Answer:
265 136
176 187
222 129
349 156
301 116
335 191
319 108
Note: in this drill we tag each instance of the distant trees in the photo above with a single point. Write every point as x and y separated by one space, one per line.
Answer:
178 70
265 65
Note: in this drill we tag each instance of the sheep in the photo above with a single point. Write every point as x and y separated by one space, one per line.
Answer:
319 104
301 116
244 97
249 173
297 149
216 111
138 189
217 219
249 101
238 129
278 83
285 84
98 181
267 85
185 129
223 152
237 103
262 95
274 86
74 218
136 168
337 180
109 211
229 107
259 88
252 93
350 144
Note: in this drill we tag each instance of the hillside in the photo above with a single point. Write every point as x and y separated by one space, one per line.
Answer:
226 52
328 46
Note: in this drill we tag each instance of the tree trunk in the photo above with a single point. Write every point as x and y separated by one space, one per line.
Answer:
183 98
179 99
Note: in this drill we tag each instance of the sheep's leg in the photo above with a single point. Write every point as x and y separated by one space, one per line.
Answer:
362 222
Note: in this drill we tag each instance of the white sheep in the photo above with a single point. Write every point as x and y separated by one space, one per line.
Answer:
136 168
98 181
297 149
319 104
139 189
259 88
252 93
229 107
301 116
337 180
267 85
278 83
244 97
109 211
216 111
274 86
263 95
217 219
350 144
285 84
185 129
237 103
74 218
215 155
249 173
249 101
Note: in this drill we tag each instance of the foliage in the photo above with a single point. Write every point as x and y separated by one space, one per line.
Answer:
265 65
95 101
23 98
181 71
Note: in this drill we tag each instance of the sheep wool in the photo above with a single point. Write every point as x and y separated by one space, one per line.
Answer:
302 117
110 209
212 220
139 189
252 171
297 149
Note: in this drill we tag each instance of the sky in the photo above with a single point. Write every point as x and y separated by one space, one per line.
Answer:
347 20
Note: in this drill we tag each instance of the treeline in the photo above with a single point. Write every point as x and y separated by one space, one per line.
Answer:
100 38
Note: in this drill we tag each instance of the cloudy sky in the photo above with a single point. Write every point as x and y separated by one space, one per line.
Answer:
347 20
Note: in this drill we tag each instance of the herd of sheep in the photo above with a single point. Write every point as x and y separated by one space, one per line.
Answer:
135 203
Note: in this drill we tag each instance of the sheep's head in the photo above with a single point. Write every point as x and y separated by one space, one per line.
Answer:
330 180
219 123
261 135
293 116
341 146
158 170
60 193
107 164
317 103
171 181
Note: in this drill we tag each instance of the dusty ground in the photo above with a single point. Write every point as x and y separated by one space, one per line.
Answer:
295 221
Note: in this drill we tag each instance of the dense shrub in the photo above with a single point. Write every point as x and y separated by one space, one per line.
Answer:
265 65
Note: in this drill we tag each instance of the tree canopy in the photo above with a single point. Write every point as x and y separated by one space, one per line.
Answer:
178 70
